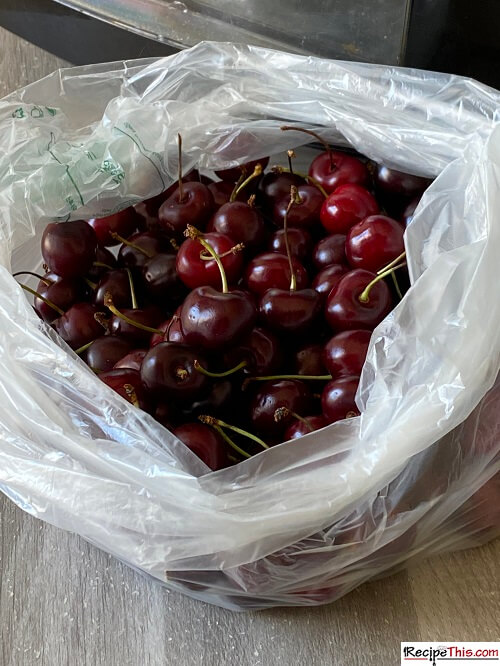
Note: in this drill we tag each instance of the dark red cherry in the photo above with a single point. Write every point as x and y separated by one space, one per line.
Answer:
327 278
399 183
205 442
241 222
222 190
106 351
123 223
77 326
168 371
63 292
132 360
304 213
299 240
260 350
290 311
290 393
345 353
337 399
128 384
332 169
329 250
344 309
298 428
105 257
69 248
234 173
273 186
150 242
212 319
175 333
195 271
409 211
160 279
272 270
166 413
374 242
346 206
117 284
215 402
193 205
149 316
308 360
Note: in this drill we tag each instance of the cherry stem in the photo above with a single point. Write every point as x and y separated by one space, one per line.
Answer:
179 167
294 199
100 264
131 394
305 176
396 286
282 412
100 318
233 250
129 244
133 297
173 319
192 232
174 244
92 285
393 263
242 177
211 420
319 378
83 348
43 279
319 138
181 373
108 302
251 201
42 298
364 296
216 375
225 437
256 172
290 155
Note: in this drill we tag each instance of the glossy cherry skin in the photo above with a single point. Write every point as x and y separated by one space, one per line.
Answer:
121 380
273 186
299 240
345 353
346 206
409 211
241 222
399 183
77 326
337 399
308 360
69 248
123 223
207 444
167 371
327 279
233 173
175 333
195 208
303 214
290 393
260 349
329 250
149 316
103 256
160 279
106 351
344 311
152 242
287 311
298 428
197 272
117 284
212 320
132 360
374 242
272 270
63 292
346 169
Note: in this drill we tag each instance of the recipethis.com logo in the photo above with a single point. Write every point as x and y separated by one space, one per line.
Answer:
458 654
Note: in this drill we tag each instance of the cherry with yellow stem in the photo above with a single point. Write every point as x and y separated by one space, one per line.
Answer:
108 302
364 297
238 188
211 420
218 375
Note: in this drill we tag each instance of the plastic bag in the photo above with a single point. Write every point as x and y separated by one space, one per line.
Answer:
297 524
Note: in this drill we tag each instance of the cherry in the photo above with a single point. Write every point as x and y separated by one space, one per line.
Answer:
337 399
171 330
300 242
241 222
234 173
127 383
344 354
275 185
217 400
106 351
62 292
346 206
207 444
117 284
374 242
132 360
140 247
409 211
222 190
306 211
304 426
104 261
259 350
167 371
138 324
69 248
390 181
269 270
196 270
160 279
123 223
329 250
346 307
190 204
327 279
165 413
290 393
308 360
78 326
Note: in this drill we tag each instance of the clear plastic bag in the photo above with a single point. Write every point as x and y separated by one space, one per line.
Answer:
297 524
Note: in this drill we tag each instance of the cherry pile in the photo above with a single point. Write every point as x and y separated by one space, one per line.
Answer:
237 312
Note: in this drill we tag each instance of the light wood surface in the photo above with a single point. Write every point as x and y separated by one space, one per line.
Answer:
65 603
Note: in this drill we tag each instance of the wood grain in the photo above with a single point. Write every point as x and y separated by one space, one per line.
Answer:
65 603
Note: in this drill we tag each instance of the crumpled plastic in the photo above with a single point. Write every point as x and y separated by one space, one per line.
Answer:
297 524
